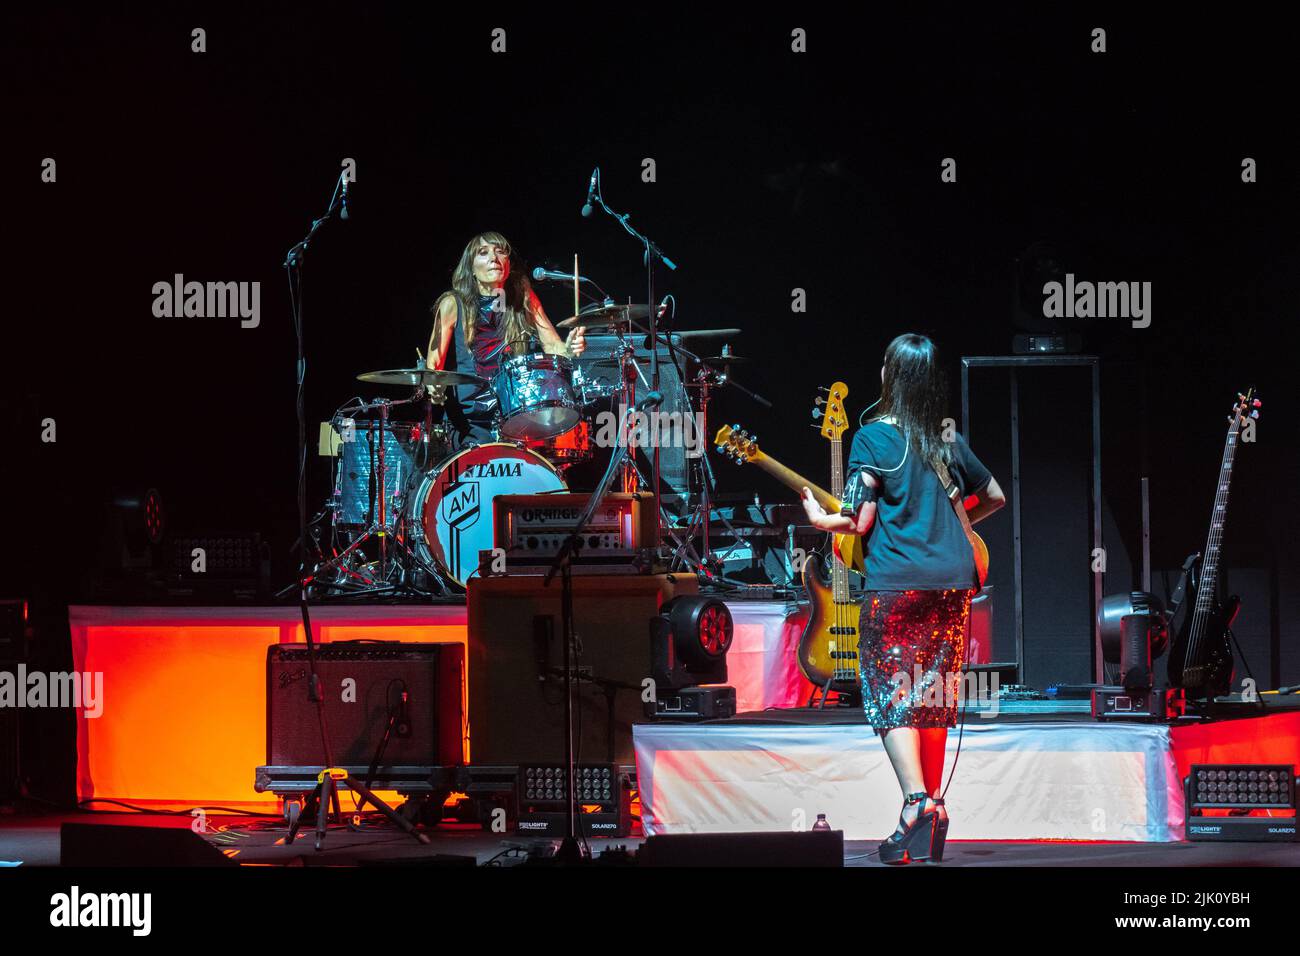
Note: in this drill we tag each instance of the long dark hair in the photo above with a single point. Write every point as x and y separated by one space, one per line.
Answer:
915 393
518 294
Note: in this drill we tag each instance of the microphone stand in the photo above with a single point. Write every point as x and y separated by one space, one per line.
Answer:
651 253
570 851
325 795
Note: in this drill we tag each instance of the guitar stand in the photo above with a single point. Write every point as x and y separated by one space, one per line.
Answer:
842 698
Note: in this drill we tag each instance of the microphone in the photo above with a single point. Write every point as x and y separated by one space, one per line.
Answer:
591 191
652 400
540 275
344 213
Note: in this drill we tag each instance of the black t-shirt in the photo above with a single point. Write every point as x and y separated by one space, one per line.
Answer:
917 540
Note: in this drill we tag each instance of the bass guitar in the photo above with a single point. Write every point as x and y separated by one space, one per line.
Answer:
828 647
1200 657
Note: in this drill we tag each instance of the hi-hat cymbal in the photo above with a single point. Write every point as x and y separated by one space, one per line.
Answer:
420 376
728 357
605 315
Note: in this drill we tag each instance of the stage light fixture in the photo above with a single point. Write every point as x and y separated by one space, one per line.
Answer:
1134 632
689 640
1241 802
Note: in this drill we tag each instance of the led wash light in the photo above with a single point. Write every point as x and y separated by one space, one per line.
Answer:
1241 802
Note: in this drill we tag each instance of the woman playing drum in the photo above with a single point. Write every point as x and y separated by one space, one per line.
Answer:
489 315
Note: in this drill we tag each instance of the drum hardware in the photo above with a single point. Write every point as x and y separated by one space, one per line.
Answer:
386 510
706 379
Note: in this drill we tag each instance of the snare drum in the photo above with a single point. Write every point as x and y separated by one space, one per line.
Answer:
452 508
568 449
536 397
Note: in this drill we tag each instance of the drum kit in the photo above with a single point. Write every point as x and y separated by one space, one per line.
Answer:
425 506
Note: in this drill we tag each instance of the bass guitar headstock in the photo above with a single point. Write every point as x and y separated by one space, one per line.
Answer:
737 444
834 419
1245 409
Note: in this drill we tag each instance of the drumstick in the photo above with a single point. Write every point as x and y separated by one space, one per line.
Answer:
575 284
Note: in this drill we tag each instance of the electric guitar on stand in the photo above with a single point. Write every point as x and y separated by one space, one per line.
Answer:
1200 658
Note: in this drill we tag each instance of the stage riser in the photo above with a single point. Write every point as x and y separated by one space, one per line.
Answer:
1025 781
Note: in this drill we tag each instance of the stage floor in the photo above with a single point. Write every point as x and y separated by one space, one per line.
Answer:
34 841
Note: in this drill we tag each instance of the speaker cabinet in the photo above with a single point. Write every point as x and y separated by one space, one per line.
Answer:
361 683
516 660
97 844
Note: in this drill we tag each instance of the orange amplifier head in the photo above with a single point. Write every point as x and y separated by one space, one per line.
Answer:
536 525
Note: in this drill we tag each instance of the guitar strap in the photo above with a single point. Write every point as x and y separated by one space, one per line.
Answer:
954 498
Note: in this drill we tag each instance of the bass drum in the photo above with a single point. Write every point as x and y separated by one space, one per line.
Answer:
452 508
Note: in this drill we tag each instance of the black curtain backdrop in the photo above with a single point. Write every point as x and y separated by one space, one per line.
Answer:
775 171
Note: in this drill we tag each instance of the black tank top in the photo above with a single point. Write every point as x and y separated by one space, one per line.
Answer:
483 357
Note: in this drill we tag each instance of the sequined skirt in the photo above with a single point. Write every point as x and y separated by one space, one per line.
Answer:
911 645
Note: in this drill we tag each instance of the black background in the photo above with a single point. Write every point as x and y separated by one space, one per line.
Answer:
775 171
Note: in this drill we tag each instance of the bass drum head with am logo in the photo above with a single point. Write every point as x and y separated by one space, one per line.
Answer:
453 506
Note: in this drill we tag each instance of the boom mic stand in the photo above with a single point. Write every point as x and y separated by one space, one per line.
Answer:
651 253
325 795
570 851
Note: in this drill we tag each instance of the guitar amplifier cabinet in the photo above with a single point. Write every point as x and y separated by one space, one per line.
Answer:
429 731
516 660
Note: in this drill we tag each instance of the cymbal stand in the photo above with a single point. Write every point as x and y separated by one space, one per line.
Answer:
378 525
706 379
629 371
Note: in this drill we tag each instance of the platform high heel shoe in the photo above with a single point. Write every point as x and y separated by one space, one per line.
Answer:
923 838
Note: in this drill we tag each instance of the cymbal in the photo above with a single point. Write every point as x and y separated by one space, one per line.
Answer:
726 359
605 315
420 376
